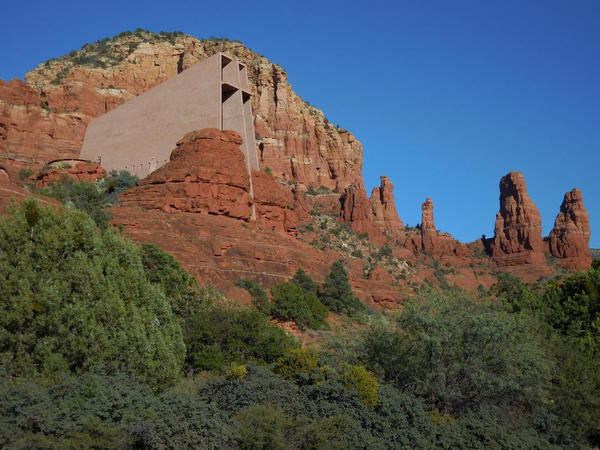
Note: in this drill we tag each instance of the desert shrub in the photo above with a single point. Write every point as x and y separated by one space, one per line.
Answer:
457 353
76 298
260 299
263 426
336 293
217 336
116 182
364 382
24 174
298 362
291 302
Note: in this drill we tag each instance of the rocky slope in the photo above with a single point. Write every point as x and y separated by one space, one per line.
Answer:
45 118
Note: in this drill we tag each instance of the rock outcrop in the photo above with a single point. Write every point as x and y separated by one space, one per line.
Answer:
45 118
518 229
384 208
274 204
81 171
206 174
570 237
356 211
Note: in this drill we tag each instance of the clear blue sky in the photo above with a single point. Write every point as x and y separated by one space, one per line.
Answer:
446 96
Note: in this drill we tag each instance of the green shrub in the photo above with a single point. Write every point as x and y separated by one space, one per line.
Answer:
117 182
336 292
81 195
260 298
364 382
24 174
263 427
216 336
298 361
291 302
76 298
458 353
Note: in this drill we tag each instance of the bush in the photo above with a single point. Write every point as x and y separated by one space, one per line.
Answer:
457 354
117 182
258 294
24 174
336 292
359 379
76 298
81 195
216 337
263 427
291 302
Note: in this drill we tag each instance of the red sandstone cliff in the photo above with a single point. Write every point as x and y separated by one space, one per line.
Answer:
45 118
518 229
570 237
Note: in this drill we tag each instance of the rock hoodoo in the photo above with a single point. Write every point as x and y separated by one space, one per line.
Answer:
570 236
518 229
384 208
428 231
356 210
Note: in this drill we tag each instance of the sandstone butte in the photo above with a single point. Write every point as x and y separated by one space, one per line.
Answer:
203 210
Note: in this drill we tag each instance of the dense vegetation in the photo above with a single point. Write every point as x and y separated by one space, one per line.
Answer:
107 344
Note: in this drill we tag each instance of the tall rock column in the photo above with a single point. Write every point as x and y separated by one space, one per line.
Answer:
428 231
356 210
570 236
384 208
518 229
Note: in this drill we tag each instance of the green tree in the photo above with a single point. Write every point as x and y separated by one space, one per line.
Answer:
457 353
76 298
260 299
291 302
216 336
336 292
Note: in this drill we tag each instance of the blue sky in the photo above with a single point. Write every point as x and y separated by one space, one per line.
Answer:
446 97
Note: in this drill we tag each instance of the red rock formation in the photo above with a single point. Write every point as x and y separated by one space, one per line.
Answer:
45 119
570 236
10 192
274 204
206 174
356 210
518 229
83 171
384 208
428 231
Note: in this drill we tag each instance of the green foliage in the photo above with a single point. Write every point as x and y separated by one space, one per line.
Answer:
298 362
236 371
24 174
291 302
364 382
263 427
259 296
117 182
81 195
269 170
76 298
336 292
321 190
458 353
302 279
217 336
